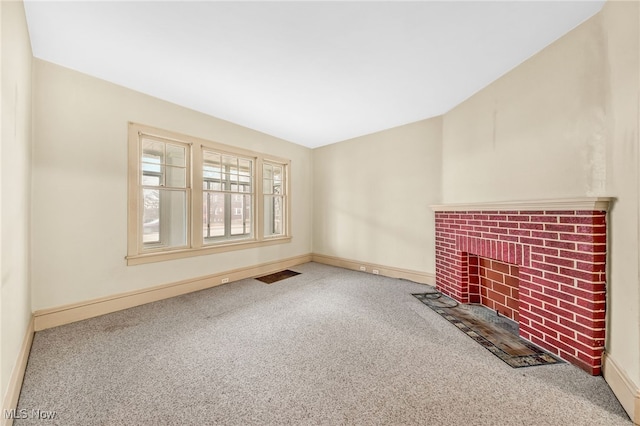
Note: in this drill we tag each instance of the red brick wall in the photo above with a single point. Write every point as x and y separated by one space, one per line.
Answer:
497 285
561 261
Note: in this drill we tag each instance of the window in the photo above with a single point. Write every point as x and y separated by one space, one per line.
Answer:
189 197
227 196
274 199
164 193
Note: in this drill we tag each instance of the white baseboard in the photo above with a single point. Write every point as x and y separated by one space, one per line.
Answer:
387 271
623 387
54 317
10 400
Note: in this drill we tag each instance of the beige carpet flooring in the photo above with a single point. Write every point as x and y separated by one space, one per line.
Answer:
326 347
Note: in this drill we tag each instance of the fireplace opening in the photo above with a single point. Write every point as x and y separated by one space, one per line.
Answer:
495 285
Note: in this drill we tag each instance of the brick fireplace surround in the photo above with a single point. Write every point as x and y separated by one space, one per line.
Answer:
557 247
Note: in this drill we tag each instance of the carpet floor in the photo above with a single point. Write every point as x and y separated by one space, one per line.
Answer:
329 346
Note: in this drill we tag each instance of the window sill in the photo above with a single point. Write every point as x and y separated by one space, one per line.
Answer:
140 259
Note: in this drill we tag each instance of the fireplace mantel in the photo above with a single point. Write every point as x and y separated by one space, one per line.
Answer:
584 203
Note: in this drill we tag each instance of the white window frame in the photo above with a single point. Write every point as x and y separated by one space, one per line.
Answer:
137 253
283 194
230 197
162 173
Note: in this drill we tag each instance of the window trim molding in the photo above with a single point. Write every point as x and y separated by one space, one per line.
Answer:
287 196
198 177
137 255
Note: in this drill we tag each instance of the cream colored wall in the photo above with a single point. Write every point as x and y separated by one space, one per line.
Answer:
621 32
80 188
564 124
372 197
537 132
15 293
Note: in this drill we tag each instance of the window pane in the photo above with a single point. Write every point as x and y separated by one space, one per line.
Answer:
235 172
151 180
272 179
273 215
173 218
245 167
229 163
246 174
267 171
176 155
164 219
152 151
151 216
148 168
176 177
211 173
211 166
248 215
211 185
246 183
278 215
212 158
213 215
277 174
238 224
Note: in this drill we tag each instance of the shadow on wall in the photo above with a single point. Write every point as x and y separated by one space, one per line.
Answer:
373 240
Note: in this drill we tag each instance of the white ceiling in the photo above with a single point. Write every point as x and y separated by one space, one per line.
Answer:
312 73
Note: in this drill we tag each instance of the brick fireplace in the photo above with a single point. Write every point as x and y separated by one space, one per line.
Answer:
544 264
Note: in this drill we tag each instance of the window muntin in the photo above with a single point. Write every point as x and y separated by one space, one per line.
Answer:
165 211
228 197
